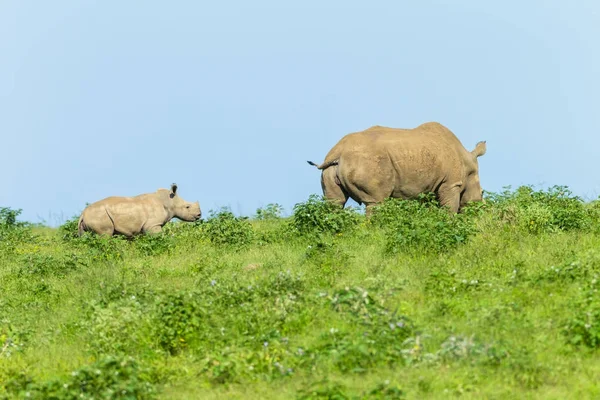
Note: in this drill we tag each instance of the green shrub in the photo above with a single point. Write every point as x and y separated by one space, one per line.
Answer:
551 210
46 265
12 339
323 390
329 259
421 225
318 215
104 248
224 228
155 244
13 232
69 230
378 342
8 218
584 327
108 378
270 211
177 319
116 328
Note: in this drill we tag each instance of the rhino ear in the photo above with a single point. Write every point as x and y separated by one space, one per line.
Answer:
173 190
480 149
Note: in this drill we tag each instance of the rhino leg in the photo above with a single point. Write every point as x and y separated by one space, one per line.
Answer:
368 179
449 196
153 229
332 190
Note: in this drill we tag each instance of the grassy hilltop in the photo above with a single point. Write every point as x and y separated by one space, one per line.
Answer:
499 302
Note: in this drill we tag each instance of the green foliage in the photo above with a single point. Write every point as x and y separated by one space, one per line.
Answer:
551 210
8 218
69 230
326 305
46 265
327 390
102 248
178 317
318 215
13 232
584 327
12 339
323 390
224 228
155 244
329 259
108 378
421 225
270 211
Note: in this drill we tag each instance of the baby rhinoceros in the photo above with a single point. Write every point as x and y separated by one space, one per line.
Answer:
145 213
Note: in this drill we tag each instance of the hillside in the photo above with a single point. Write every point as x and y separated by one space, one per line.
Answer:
499 302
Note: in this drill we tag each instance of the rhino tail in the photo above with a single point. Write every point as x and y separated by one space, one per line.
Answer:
325 165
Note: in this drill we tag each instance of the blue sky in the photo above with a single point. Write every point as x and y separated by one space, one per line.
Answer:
230 98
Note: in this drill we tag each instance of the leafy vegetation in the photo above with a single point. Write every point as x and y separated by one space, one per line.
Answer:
499 301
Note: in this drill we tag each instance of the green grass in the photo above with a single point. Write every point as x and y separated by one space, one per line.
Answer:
499 302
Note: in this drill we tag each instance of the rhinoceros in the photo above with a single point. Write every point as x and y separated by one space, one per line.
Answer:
380 162
145 213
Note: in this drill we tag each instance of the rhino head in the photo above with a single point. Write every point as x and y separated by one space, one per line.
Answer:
182 209
472 187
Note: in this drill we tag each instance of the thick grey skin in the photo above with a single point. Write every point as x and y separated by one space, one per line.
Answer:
381 162
145 213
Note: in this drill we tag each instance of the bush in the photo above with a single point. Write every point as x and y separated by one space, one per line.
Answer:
70 229
46 265
224 228
12 340
154 244
551 210
116 328
109 378
271 211
13 232
318 215
8 218
329 259
584 327
177 319
104 248
421 225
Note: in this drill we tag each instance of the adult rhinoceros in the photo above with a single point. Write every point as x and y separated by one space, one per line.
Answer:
145 213
381 162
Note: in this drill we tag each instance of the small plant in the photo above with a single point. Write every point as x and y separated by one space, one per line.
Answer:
105 248
109 378
270 211
178 318
8 218
224 228
318 215
421 225
12 340
154 244
584 327
69 229
385 391
328 257
13 232
116 328
48 265
323 390
551 210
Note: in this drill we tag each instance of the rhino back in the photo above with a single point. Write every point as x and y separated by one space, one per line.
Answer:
130 214
415 160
